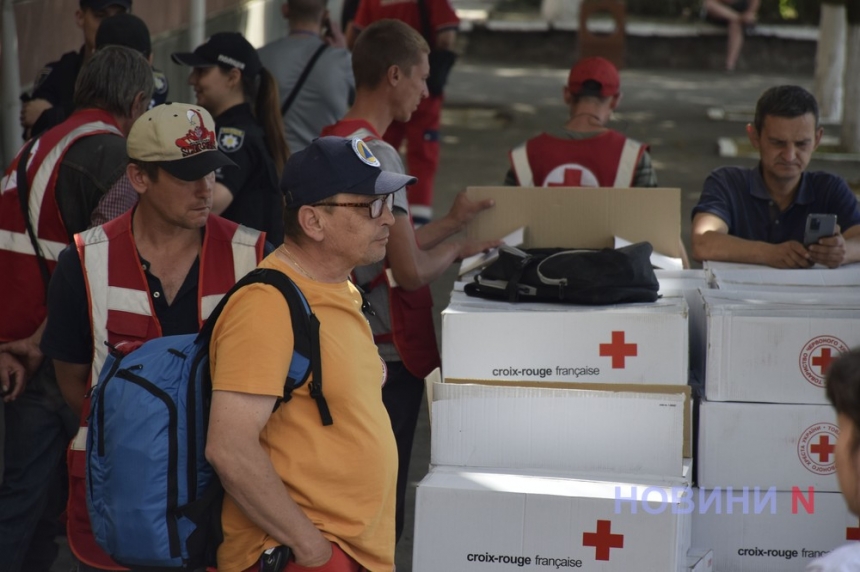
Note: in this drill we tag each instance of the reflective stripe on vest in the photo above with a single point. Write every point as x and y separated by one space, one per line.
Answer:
522 169
627 164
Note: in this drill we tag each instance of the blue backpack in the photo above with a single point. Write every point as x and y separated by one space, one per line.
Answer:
153 499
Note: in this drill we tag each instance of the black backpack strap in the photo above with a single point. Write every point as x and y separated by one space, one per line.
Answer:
306 341
302 78
24 200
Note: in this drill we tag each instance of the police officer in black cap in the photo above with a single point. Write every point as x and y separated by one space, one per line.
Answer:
50 101
242 96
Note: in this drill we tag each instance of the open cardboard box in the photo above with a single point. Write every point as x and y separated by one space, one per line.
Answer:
579 429
581 217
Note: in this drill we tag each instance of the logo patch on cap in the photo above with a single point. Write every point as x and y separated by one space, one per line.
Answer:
364 153
230 139
198 138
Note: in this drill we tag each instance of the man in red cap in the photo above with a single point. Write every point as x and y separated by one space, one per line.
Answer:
585 153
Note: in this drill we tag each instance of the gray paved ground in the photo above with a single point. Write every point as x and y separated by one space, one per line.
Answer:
664 108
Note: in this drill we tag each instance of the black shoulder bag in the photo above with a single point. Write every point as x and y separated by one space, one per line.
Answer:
302 78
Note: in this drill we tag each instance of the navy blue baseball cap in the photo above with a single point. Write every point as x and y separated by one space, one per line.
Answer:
97 5
333 165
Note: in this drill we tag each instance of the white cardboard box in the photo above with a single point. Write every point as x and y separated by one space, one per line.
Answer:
561 429
733 276
777 535
775 347
630 343
767 445
483 521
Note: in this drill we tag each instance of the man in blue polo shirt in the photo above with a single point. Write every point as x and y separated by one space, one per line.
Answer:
758 215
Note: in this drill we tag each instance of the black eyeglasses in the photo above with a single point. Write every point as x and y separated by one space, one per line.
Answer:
374 208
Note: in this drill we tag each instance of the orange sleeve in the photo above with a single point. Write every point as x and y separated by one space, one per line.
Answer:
252 343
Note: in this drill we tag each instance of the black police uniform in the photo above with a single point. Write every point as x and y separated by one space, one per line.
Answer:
257 199
55 83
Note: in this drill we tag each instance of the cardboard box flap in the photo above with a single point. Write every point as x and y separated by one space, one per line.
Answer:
435 382
581 217
813 300
723 273
477 479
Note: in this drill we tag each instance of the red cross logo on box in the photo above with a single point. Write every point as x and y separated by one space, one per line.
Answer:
603 540
817 355
816 448
618 350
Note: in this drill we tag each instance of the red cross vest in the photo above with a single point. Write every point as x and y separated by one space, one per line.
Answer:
121 310
412 331
22 289
605 160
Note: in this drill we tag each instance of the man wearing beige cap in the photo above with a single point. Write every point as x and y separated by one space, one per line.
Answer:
157 270
584 153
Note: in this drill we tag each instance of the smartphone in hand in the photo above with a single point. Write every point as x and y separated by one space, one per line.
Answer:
818 226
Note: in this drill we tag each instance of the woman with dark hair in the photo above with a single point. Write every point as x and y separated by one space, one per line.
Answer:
242 96
843 391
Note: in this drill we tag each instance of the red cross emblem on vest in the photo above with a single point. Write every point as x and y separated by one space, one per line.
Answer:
603 540
572 178
618 350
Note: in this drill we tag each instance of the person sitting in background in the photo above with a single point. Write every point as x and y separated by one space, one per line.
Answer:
737 15
758 215
585 153
232 84
843 392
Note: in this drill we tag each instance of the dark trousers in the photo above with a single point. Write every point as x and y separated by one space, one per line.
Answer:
39 426
402 396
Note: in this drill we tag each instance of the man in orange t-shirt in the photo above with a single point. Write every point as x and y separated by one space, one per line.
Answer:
326 492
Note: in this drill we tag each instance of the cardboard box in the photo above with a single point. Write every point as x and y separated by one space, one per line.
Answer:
734 276
775 347
700 560
767 445
779 535
581 218
483 521
630 343
688 283
557 428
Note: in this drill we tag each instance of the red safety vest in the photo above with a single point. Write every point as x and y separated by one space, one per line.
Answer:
121 310
605 160
412 331
22 289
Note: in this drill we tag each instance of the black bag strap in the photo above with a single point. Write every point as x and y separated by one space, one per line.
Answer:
306 341
302 78
427 29
24 200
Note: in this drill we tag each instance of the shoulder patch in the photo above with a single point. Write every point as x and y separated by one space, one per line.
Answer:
160 81
42 76
230 139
